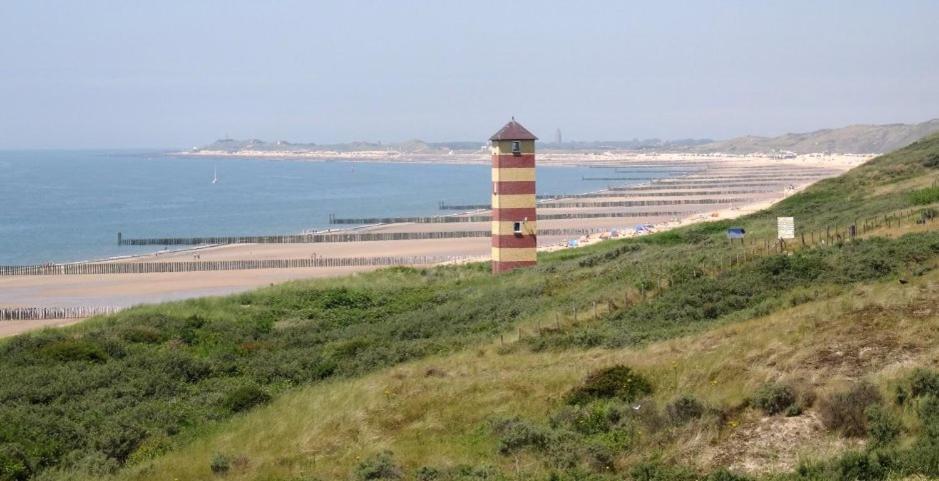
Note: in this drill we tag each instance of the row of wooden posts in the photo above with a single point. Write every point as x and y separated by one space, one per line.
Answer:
696 185
47 313
486 218
335 237
228 265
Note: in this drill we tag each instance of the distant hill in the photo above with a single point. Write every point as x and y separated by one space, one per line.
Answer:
410 146
854 139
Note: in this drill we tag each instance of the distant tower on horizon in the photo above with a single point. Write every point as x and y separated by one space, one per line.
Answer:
514 215
557 137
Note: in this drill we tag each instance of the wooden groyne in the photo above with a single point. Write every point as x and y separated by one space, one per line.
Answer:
656 194
227 265
652 177
488 218
48 313
462 207
640 203
333 237
677 186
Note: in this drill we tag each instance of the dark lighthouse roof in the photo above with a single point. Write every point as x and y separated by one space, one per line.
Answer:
513 131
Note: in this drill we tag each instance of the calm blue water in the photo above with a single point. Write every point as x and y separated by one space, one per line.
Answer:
59 206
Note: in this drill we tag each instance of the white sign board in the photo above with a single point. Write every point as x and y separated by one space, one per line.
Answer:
785 228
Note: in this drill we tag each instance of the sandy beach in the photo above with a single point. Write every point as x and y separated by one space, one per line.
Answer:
781 176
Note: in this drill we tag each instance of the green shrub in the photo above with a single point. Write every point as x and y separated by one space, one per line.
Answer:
882 427
14 464
220 464
67 350
931 161
378 466
725 475
924 382
774 398
846 411
862 466
244 398
660 471
142 334
516 434
924 196
683 409
592 418
619 382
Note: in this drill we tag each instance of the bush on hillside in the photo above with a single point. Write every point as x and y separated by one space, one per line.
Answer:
883 428
14 464
67 350
516 434
220 464
683 410
661 471
931 161
378 466
619 382
725 475
244 398
924 196
774 398
924 382
845 411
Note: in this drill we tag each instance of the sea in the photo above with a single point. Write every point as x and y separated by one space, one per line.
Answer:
66 206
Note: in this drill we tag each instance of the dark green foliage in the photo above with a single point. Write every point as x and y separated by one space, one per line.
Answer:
725 475
458 473
924 196
882 426
244 398
931 161
220 464
845 411
515 434
69 349
618 382
862 466
774 398
378 466
660 471
684 409
14 463
924 382
95 396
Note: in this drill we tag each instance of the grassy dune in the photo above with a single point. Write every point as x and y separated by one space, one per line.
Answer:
450 367
434 412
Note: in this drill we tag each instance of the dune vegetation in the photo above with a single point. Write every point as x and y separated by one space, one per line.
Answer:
670 356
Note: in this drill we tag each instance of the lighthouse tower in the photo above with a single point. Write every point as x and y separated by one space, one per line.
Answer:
514 226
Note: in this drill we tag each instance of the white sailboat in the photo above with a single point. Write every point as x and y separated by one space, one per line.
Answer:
215 175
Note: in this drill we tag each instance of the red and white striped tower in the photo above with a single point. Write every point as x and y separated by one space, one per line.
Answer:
514 226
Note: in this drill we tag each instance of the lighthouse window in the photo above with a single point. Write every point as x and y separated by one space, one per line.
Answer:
517 227
516 147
